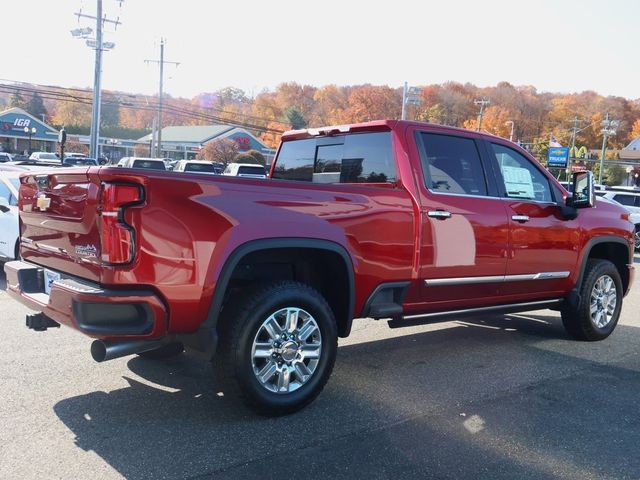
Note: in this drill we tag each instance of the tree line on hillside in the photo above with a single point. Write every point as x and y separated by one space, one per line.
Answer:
536 116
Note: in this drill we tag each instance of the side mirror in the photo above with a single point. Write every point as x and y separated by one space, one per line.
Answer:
4 205
584 193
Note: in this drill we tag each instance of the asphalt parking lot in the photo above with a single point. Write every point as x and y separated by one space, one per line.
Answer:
498 397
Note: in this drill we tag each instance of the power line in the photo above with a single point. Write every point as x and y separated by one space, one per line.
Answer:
140 105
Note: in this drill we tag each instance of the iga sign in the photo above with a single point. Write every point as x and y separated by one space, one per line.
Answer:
558 157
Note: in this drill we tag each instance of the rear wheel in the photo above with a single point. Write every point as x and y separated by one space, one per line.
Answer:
597 312
278 344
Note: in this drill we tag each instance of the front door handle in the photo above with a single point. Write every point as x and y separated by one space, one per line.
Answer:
520 218
441 214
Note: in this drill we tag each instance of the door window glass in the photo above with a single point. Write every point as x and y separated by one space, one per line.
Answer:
521 178
452 165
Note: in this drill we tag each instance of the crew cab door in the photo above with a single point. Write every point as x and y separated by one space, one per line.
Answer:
464 227
543 247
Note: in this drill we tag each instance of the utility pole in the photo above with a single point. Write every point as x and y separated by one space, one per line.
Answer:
482 102
609 128
410 96
99 45
161 63
512 125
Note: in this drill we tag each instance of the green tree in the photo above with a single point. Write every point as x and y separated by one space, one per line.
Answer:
295 118
16 100
109 115
36 107
258 156
245 158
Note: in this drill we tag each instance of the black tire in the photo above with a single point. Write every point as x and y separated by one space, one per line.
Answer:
577 319
637 239
167 351
240 323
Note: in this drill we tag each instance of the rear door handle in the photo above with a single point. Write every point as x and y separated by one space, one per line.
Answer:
520 218
441 214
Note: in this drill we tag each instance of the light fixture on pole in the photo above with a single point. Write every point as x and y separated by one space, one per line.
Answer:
30 131
99 45
410 96
609 128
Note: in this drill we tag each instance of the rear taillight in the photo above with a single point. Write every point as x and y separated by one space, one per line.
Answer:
117 237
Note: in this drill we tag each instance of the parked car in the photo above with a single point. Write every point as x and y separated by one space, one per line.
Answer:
79 161
196 166
248 170
5 157
142 162
390 219
75 154
630 199
9 185
44 157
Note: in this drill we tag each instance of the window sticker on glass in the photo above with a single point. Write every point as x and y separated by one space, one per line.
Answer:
518 182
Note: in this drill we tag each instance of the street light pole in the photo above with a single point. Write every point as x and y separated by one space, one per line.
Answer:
608 129
30 131
512 124
97 74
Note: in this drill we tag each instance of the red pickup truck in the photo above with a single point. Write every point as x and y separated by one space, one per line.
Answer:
387 219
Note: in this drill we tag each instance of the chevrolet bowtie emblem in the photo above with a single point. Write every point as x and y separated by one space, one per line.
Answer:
43 202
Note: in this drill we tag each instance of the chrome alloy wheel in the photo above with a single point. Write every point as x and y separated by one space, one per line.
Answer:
286 350
637 239
604 298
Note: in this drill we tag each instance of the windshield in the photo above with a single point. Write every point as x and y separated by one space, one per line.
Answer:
80 161
199 167
47 156
150 164
251 170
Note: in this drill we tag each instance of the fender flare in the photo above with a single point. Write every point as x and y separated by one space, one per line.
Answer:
589 246
232 261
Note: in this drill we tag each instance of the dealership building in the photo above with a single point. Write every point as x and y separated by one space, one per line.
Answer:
22 132
186 141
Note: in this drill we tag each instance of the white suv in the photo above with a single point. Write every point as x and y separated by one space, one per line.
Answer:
630 199
9 184
247 170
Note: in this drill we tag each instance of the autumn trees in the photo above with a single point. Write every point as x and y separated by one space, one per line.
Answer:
535 116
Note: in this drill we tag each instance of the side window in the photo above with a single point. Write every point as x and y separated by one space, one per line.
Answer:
452 165
6 193
356 158
521 178
624 199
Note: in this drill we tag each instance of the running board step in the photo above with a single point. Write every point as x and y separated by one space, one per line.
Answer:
413 320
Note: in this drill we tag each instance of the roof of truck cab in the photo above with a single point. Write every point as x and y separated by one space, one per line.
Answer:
376 125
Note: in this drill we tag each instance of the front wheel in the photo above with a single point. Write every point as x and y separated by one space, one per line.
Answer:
278 344
637 239
596 314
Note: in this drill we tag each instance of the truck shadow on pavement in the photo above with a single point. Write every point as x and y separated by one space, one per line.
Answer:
498 397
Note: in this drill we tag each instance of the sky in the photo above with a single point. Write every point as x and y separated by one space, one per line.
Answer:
559 46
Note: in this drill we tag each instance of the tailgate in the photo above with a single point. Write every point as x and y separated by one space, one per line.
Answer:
59 221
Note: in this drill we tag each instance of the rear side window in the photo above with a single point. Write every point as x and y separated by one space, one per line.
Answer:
148 164
452 165
627 200
356 158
